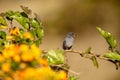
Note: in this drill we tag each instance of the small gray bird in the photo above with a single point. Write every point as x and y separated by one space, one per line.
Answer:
69 41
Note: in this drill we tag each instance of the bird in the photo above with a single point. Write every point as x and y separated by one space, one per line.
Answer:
69 41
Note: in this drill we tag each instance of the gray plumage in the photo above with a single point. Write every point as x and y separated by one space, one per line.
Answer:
69 41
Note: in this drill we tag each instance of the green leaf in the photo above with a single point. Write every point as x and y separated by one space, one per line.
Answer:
2 35
39 33
9 15
93 58
73 78
24 14
108 37
21 31
38 42
33 33
112 56
2 21
88 50
22 19
1 45
35 23
56 57
14 65
26 9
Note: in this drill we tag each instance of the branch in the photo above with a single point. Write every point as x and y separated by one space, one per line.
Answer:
85 55
90 54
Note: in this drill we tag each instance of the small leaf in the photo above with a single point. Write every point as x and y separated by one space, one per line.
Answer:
56 57
26 9
112 56
38 42
39 33
88 50
9 15
35 23
93 58
1 45
3 21
24 14
24 21
73 78
15 65
21 31
108 37
2 35
37 17
33 33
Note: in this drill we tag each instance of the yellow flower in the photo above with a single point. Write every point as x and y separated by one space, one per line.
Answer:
8 78
1 73
62 75
2 59
23 65
27 57
4 27
27 74
6 67
28 35
15 31
10 51
16 58
24 48
9 37
35 51
43 62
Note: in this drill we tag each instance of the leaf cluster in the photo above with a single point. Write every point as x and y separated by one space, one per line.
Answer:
29 23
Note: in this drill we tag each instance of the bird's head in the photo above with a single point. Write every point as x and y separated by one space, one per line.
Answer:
71 34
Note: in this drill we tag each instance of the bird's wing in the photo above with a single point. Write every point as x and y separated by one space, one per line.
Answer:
64 44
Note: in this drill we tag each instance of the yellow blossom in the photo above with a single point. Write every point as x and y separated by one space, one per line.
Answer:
15 31
43 62
27 74
4 27
9 37
35 51
23 65
62 75
16 58
8 78
2 59
24 48
27 57
28 35
6 67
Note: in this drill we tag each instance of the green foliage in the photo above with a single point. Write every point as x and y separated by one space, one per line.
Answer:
1 45
88 50
28 23
2 35
108 37
23 20
73 78
2 21
56 57
35 23
93 58
112 56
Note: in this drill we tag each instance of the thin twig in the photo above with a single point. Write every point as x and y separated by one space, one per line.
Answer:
68 70
86 55
83 54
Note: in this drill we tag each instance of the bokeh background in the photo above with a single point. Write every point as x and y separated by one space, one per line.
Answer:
80 16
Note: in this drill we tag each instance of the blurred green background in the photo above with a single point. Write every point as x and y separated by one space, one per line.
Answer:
80 16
